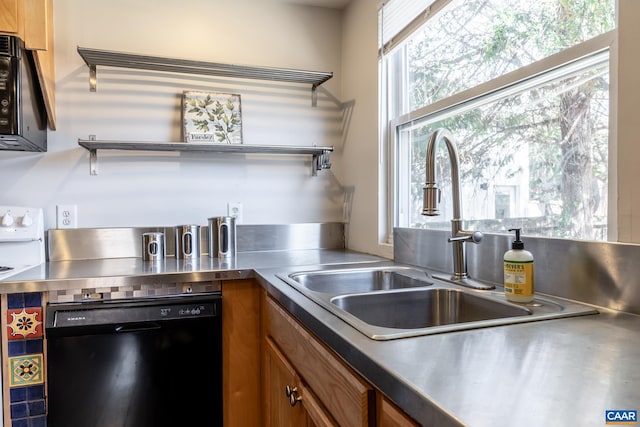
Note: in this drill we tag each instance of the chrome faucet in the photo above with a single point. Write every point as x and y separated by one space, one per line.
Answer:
430 208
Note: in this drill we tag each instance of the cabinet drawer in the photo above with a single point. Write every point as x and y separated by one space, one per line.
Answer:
349 399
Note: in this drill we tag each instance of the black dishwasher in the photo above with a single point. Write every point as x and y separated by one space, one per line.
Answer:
135 363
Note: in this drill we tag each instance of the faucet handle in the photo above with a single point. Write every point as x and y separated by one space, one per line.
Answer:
467 236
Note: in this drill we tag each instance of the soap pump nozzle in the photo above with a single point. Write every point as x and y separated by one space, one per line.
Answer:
517 244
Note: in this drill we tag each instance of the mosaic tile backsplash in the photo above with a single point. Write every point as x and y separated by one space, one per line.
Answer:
24 360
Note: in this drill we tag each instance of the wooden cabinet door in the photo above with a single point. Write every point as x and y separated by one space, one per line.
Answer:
279 375
38 28
9 19
346 396
29 20
317 416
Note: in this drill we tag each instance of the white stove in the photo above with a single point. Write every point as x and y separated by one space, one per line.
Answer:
21 239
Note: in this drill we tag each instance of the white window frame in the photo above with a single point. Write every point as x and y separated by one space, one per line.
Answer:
482 93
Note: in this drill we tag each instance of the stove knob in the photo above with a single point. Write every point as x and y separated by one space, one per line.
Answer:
7 220
26 220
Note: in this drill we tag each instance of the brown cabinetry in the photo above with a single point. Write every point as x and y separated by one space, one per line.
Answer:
241 353
32 21
333 388
277 374
327 391
289 402
389 415
27 19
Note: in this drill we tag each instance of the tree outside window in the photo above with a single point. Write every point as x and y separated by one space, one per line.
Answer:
545 139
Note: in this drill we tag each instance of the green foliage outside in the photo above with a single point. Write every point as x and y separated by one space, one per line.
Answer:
563 126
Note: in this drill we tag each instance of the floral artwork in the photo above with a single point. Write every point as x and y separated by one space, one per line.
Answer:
212 117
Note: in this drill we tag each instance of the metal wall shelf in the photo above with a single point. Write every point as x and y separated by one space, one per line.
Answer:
321 155
95 57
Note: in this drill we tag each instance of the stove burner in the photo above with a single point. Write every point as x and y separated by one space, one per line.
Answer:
3 269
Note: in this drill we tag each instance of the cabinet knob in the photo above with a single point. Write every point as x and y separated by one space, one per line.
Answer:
292 394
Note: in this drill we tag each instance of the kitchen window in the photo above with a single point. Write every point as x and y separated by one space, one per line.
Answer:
523 86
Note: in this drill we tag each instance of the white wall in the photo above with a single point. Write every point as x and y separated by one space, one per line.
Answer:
154 189
358 169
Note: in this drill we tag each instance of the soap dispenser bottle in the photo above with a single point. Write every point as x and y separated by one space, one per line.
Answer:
518 272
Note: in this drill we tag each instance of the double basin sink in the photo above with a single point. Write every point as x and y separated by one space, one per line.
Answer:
390 302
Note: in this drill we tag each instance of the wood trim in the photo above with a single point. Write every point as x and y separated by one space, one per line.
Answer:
6 401
241 353
45 65
349 399
46 76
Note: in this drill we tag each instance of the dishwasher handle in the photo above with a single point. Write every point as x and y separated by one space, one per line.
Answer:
136 327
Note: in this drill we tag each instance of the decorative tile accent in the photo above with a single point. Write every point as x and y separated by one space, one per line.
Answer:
23 334
18 394
33 299
38 421
25 370
15 301
35 392
34 346
17 348
19 410
37 407
24 323
31 393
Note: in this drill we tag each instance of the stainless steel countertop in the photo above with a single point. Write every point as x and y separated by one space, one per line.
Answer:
58 275
563 372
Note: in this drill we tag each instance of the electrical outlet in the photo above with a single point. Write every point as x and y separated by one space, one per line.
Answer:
234 209
67 216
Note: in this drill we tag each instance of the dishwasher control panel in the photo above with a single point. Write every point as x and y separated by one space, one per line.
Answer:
132 311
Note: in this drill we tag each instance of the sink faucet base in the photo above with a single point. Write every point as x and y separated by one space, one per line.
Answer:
466 282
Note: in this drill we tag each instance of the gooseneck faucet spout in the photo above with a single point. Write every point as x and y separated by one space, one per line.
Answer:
431 204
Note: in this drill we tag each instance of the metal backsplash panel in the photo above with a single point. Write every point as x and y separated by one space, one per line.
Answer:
601 273
99 243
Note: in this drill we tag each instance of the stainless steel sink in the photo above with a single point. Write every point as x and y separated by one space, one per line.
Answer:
361 280
424 308
389 302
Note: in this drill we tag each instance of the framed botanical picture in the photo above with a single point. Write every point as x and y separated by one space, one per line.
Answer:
212 117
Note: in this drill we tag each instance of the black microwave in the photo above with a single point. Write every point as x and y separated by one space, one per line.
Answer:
23 118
